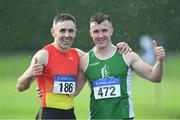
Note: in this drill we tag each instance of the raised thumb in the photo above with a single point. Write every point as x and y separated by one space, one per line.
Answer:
35 60
154 44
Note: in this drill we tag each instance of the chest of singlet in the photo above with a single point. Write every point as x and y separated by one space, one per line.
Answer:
60 70
110 87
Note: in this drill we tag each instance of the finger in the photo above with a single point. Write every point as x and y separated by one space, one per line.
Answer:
35 60
159 49
160 55
154 45
126 50
38 89
124 47
38 68
119 46
37 72
37 63
130 50
40 96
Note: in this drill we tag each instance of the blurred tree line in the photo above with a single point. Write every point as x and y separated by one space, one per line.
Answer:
25 24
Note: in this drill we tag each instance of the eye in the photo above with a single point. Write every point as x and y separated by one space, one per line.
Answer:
96 31
62 30
104 30
70 30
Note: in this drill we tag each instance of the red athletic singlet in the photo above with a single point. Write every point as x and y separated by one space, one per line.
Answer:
58 78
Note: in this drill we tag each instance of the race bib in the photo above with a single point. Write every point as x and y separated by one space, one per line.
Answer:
64 84
106 88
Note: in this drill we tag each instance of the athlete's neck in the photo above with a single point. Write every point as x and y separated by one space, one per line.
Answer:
106 52
59 48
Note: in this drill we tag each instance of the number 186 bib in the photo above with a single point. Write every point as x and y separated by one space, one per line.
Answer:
106 88
64 84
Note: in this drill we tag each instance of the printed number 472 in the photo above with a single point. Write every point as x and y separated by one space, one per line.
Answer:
105 91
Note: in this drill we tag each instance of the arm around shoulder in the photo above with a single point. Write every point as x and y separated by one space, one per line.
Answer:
80 82
80 52
81 79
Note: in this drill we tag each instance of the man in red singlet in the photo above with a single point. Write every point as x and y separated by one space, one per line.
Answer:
55 67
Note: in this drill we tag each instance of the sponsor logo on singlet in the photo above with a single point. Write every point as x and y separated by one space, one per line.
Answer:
105 71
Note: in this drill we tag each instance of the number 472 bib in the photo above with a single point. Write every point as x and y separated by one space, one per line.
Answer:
106 88
64 84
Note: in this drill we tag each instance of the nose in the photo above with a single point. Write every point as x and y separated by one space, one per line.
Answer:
101 34
66 33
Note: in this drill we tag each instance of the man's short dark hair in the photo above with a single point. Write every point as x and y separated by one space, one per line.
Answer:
100 17
63 17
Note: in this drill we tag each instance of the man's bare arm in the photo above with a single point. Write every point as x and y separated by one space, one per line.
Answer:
35 69
144 70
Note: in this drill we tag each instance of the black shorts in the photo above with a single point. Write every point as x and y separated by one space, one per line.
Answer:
53 113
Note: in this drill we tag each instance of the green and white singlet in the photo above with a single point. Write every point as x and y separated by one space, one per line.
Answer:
110 82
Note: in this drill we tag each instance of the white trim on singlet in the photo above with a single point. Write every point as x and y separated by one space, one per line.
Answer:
129 92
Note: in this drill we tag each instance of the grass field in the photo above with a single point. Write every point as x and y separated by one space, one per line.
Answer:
151 101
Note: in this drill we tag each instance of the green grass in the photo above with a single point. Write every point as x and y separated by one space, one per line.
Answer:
151 101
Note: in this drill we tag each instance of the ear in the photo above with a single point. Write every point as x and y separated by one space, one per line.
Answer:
75 31
112 30
52 32
90 32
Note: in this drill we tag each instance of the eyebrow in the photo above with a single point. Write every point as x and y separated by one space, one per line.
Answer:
65 29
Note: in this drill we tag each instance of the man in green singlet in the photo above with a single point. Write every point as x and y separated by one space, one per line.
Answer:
109 73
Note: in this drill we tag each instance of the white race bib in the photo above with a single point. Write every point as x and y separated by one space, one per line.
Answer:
106 88
64 84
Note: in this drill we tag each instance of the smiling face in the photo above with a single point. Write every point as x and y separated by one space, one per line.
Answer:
101 33
64 33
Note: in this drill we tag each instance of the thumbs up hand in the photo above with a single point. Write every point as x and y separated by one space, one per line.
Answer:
159 51
37 68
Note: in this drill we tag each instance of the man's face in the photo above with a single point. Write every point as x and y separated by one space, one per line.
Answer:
64 33
101 33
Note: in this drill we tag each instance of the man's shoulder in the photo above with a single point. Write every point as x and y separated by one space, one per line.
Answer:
84 62
42 56
80 52
130 57
85 56
48 46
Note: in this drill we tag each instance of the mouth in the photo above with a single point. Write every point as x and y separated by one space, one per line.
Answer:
101 40
66 38
66 41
